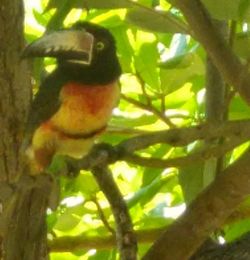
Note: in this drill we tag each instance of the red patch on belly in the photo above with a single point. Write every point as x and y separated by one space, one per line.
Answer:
94 98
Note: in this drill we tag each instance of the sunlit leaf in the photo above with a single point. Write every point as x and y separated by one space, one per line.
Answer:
125 50
56 21
223 9
99 4
147 192
229 9
156 21
70 218
237 229
146 60
242 45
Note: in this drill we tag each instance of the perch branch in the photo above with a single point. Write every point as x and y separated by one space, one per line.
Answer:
234 132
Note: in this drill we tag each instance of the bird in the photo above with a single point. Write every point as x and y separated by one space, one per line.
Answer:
74 103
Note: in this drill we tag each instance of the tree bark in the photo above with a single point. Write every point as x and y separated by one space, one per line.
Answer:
22 216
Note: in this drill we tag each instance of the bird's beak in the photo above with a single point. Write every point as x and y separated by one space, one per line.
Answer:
71 45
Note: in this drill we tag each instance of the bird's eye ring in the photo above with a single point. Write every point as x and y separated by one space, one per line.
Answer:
100 46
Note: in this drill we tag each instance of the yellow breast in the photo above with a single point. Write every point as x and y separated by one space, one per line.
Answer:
85 108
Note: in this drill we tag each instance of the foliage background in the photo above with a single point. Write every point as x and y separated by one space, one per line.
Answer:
163 86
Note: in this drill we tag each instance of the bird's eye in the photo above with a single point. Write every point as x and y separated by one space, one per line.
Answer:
100 46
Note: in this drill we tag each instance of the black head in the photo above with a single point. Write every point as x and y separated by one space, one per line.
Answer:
86 52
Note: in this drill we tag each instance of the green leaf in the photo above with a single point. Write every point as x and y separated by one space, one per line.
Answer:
51 221
124 48
181 61
190 65
63 256
242 45
244 8
238 109
150 174
86 183
70 218
156 21
103 254
62 10
237 229
151 221
134 122
229 9
191 181
145 194
40 18
223 9
191 177
146 61
98 4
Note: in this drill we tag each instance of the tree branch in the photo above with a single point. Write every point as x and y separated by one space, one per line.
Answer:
202 155
186 135
230 66
235 133
206 213
125 236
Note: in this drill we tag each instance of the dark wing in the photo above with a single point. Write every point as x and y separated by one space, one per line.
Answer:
45 104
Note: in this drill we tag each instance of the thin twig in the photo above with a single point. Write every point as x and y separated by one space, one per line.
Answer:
102 217
151 109
143 88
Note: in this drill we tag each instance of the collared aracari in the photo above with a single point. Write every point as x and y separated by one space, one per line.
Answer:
74 103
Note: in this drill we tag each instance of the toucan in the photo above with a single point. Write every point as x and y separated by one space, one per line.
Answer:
74 103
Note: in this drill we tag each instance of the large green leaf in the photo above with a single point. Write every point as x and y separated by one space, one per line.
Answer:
229 9
146 193
70 218
134 122
125 50
146 61
86 184
185 68
237 229
191 180
242 45
62 11
150 174
156 21
239 109
98 4
103 254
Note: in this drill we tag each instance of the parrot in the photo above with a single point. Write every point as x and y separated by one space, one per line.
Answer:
74 103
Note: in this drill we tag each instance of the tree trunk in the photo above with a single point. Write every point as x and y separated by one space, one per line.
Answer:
23 209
